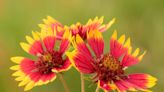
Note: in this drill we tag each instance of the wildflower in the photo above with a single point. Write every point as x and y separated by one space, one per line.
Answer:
109 69
96 23
48 63
78 28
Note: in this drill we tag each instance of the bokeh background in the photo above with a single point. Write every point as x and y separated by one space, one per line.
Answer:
142 20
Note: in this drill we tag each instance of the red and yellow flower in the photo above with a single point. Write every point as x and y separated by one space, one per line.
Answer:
49 61
78 28
109 68
96 23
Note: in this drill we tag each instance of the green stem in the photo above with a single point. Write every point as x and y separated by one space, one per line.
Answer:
82 83
97 89
64 83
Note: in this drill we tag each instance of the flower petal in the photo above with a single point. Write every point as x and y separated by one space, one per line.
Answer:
49 42
106 86
81 57
65 67
122 86
34 46
29 86
52 25
48 37
16 67
142 80
104 27
96 24
17 59
136 82
80 46
78 29
96 42
117 47
81 61
132 59
65 42
48 77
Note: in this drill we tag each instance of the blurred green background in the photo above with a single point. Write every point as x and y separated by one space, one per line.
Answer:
142 20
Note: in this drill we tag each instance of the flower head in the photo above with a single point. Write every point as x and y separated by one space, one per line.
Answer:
90 25
48 62
109 68
78 28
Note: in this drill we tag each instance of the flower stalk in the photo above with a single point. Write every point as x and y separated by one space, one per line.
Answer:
82 82
64 83
97 89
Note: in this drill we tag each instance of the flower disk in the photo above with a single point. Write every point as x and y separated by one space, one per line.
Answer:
109 69
48 61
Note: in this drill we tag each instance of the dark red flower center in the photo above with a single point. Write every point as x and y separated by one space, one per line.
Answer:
49 60
109 68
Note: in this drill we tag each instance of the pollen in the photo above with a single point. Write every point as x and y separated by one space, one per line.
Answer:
48 61
110 63
109 68
47 57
